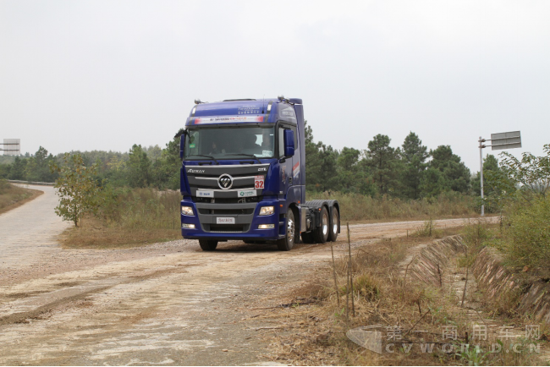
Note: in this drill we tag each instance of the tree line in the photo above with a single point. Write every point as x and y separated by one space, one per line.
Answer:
139 167
410 171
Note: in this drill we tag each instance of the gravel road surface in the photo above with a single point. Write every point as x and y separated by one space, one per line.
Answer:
168 303
29 231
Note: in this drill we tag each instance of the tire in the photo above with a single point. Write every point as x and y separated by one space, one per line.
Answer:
287 243
334 225
307 237
320 235
208 245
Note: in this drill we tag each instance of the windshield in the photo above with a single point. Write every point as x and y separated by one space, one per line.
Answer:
230 142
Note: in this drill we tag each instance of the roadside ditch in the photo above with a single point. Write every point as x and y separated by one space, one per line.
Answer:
416 301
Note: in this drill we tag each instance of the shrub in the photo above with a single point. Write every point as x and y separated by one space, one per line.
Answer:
527 233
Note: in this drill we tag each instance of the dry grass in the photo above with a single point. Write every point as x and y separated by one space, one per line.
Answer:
12 196
130 218
381 296
356 207
93 234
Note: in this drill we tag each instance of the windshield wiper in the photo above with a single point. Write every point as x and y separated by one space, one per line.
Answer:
247 155
202 155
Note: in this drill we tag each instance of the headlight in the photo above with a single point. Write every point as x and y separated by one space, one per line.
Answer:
267 210
187 210
266 226
187 226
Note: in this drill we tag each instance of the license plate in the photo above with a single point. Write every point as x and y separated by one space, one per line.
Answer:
225 220
205 193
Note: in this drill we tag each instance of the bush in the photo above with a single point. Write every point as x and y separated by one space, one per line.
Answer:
527 233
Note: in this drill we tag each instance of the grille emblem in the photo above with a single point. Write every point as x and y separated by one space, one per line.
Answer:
225 181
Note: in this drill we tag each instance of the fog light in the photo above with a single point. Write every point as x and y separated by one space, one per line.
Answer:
266 226
187 210
187 226
267 210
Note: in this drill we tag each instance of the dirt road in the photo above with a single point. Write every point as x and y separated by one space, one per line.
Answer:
168 303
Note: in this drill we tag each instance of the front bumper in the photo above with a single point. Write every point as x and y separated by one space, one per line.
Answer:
245 216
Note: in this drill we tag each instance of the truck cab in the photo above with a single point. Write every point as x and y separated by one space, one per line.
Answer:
243 175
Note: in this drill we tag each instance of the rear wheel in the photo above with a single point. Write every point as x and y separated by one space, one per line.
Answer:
287 243
320 235
208 245
334 224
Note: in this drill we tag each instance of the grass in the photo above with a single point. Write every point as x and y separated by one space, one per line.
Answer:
525 237
129 217
357 207
141 216
383 296
12 196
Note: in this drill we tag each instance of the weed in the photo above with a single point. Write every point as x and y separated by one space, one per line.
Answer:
428 229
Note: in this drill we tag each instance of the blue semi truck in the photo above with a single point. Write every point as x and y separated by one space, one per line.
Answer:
243 176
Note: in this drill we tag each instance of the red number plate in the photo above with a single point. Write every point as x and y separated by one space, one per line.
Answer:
259 182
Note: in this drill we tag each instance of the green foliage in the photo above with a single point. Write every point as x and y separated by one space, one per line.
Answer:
531 173
493 180
527 233
77 188
138 167
17 169
454 175
37 167
321 164
382 160
414 156
4 171
4 186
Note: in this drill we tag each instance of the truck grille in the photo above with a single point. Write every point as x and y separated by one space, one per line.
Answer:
226 211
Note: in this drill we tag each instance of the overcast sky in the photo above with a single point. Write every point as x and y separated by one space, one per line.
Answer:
87 75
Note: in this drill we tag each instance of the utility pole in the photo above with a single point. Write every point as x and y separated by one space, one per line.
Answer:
481 146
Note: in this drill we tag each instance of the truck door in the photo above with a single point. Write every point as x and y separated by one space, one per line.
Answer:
290 169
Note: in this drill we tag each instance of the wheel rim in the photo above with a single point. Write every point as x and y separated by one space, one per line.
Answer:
334 221
325 224
290 230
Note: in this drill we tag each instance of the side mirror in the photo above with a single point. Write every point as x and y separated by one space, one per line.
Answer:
289 143
182 145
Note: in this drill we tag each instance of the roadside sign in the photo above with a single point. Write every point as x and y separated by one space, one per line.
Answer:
507 140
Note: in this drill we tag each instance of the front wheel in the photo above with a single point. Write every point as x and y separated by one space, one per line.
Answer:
334 224
287 243
208 245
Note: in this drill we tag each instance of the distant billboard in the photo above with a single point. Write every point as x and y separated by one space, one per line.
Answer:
11 147
507 140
